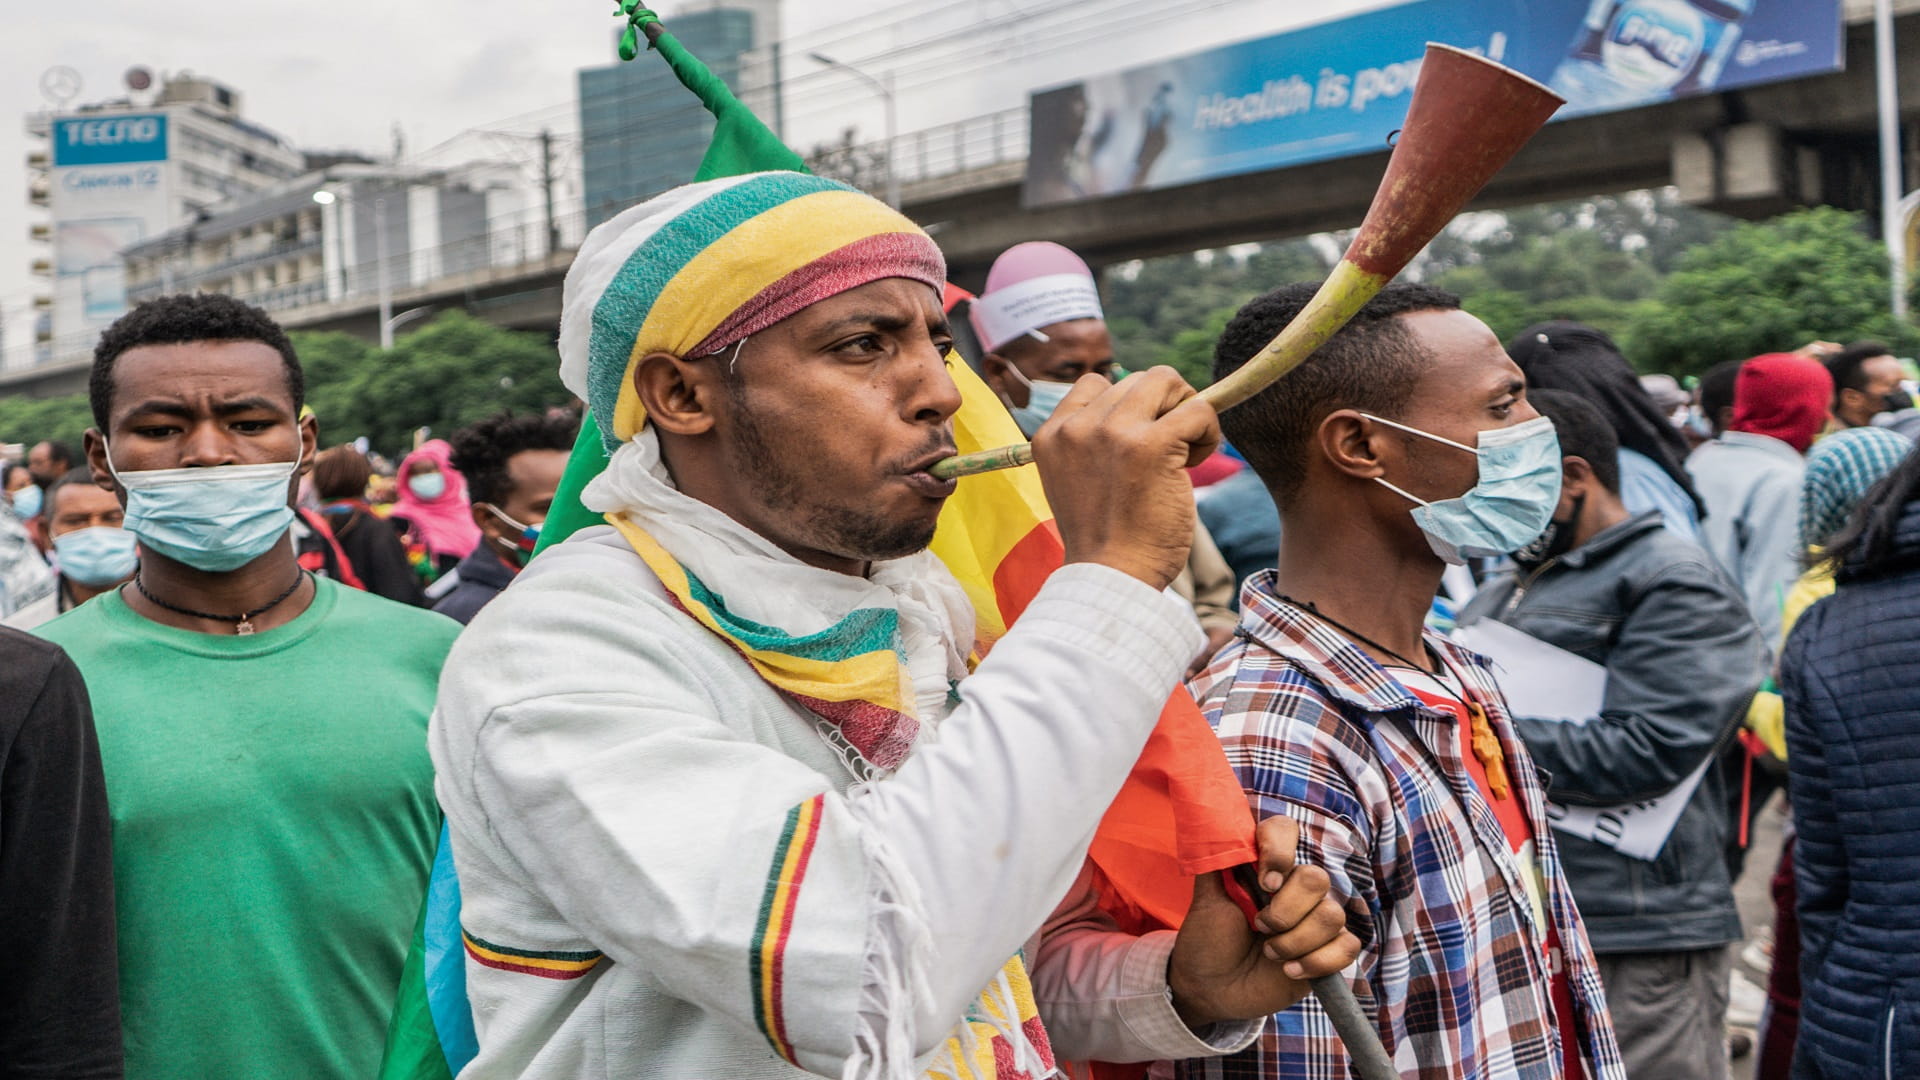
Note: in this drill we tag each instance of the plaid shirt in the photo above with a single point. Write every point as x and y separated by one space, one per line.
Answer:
1452 966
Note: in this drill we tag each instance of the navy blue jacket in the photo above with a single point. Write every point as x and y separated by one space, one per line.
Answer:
479 578
1851 680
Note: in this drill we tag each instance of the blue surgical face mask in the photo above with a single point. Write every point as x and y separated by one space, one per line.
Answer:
1511 504
1043 396
428 486
97 556
28 501
214 519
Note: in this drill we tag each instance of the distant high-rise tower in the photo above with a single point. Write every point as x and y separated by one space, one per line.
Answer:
640 131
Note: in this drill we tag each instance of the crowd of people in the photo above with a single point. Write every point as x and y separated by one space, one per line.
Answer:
1504 644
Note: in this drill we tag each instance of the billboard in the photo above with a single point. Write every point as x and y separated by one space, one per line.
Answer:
109 191
1341 88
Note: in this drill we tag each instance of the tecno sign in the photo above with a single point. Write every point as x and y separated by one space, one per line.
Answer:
109 140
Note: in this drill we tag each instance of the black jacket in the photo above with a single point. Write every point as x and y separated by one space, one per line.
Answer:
1849 676
60 991
480 577
375 551
1683 658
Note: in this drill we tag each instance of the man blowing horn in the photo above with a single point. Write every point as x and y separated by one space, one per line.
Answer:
726 798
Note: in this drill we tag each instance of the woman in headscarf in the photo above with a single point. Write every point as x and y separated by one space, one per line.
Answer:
1582 360
432 514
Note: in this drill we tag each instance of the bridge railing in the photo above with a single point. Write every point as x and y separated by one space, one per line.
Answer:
973 143
929 153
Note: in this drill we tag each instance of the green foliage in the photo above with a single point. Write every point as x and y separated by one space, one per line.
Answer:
29 420
1598 261
449 374
1171 310
1770 287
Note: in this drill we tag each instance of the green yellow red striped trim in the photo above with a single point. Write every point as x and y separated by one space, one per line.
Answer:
545 964
765 960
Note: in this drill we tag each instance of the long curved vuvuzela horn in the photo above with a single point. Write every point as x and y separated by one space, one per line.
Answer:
1467 119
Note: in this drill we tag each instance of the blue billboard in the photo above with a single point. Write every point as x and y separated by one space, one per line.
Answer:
116 139
1341 88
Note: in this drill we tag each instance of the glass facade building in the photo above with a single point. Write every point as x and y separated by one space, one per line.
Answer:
641 132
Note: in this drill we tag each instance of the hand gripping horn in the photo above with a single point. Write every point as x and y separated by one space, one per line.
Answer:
1467 119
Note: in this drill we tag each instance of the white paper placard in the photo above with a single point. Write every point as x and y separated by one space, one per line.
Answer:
1545 681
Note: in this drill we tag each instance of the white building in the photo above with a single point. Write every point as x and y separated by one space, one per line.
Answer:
118 173
342 234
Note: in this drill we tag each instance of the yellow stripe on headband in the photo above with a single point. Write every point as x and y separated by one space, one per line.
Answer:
755 254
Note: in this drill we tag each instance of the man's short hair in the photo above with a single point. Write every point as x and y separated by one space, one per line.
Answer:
1716 387
1846 365
177 320
1372 364
81 475
59 453
481 450
1584 433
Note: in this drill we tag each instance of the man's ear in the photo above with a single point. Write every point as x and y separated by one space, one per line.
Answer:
486 522
1577 481
993 372
1351 444
678 395
94 446
309 443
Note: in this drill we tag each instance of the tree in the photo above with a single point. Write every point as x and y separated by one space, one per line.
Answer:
1770 287
29 420
454 371
1171 310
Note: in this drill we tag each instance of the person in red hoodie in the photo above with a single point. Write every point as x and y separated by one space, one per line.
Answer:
1749 478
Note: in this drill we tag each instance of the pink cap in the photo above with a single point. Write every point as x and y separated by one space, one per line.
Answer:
1035 258
1032 285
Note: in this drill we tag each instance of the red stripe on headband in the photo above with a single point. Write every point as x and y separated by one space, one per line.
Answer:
910 255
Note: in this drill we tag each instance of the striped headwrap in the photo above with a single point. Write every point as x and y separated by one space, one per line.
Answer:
1840 470
698 269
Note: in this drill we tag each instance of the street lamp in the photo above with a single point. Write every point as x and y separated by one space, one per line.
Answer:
327 198
883 87
323 197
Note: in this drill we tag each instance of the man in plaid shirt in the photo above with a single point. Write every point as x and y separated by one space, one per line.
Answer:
1389 746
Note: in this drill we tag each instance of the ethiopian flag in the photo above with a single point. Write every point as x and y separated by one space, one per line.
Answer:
1181 813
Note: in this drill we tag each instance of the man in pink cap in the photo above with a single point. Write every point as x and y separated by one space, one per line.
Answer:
1040 322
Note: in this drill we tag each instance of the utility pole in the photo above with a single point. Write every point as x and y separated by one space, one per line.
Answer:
1892 186
546 184
779 98
380 271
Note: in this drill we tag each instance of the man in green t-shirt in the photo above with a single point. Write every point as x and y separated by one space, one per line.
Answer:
263 731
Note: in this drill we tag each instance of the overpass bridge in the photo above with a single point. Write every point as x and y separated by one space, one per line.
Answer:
1752 152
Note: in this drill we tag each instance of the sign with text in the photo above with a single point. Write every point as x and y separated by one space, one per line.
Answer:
110 140
1341 88
110 182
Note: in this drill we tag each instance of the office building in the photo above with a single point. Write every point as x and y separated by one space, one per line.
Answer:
326 236
117 173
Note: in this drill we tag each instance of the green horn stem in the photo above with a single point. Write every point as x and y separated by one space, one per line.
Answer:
1343 294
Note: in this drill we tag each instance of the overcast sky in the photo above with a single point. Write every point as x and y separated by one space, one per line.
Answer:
341 74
